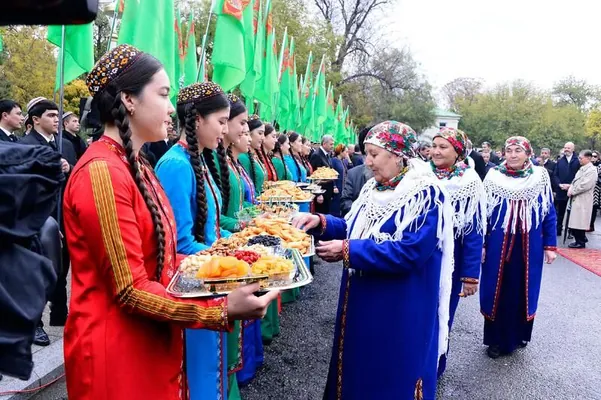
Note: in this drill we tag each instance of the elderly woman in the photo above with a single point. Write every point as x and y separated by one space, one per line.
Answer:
450 148
396 247
520 234
581 193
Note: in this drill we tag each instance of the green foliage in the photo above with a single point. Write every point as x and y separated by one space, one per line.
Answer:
577 92
30 65
593 127
520 108
73 92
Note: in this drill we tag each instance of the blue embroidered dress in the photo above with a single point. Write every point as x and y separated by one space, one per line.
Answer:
294 170
397 270
206 351
468 198
521 225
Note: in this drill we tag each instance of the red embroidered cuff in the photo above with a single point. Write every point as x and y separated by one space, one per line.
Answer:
323 223
470 280
346 253
552 248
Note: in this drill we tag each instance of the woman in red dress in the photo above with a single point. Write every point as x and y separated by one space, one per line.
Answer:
123 337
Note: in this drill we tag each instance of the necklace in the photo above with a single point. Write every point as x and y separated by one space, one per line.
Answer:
392 183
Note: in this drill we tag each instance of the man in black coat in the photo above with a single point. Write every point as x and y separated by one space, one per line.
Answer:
357 156
545 155
11 120
44 114
321 158
479 164
70 133
564 173
493 157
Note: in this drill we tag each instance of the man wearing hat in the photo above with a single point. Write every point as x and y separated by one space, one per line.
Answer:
70 133
45 118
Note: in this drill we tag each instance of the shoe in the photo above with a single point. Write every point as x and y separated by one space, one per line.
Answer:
493 352
585 240
523 344
41 337
58 320
558 233
576 245
570 236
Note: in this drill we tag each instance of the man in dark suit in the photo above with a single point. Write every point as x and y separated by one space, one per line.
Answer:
564 173
357 156
356 178
487 164
493 157
11 119
70 133
45 118
545 155
321 158
479 164
155 150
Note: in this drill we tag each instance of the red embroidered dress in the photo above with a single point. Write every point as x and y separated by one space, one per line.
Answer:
123 338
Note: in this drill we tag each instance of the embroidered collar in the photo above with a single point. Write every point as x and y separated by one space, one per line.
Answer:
455 170
393 183
516 173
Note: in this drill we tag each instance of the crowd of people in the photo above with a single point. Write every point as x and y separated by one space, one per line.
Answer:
417 227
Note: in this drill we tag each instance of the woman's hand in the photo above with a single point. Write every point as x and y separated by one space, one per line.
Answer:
330 251
306 221
243 304
336 191
550 256
469 289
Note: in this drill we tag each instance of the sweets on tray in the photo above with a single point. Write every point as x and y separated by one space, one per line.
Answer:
190 265
324 173
285 192
273 266
223 267
292 237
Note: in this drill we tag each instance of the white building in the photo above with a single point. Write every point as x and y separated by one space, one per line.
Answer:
444 118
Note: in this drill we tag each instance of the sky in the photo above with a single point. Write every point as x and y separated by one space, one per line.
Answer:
498 41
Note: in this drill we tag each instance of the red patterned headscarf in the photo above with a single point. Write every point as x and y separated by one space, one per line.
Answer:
458 139
396 137
519 141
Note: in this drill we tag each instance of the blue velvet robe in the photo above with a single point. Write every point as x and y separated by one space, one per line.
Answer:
386 337
206 351
292 168
511 277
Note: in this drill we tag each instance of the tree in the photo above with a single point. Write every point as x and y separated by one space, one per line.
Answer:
30 65
593 127
461 89
351 20
74 91
102 33
578 92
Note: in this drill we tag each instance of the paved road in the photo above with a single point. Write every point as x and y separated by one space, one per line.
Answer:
563 361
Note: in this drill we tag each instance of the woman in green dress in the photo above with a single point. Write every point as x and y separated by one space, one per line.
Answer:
250 161
281 149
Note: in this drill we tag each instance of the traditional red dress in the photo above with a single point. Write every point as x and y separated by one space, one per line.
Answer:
124 336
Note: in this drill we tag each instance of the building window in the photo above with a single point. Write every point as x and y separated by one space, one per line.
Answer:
442 124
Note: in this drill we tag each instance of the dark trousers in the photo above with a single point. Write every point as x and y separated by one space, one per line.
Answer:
579 235
594 217
560 209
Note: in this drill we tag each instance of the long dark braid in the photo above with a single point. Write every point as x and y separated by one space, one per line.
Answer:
121 121
225 176
278 149
201 195
251 159
293 137
207 155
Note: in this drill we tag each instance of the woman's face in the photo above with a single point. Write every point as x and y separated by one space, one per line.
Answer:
344 153
210 130
243 144
384 164
236 127
443 154
152 109
516 157
297 146
269 142
306 148
285 147
256 137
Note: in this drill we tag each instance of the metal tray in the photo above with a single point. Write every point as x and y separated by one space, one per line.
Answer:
286 199
321 179
198 288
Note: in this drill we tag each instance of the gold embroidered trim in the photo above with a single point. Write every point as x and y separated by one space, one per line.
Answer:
341 339
346 253
152 304
419 390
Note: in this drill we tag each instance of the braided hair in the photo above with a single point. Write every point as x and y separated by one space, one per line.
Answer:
293 137
278 150
187 114
253 123
113 112
225 176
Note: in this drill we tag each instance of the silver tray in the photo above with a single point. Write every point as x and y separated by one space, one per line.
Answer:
321 179
286 199
197 288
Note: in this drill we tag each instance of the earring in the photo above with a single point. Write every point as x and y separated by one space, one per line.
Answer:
132 112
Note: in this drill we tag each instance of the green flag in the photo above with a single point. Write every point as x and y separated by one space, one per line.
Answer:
148 25
268 84
287 84
1 44
79 50
190 61
330 111
307 84
228 58
294 115
320 94
254 44
338 121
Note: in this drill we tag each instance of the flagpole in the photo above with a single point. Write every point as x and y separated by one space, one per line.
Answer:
204 43
282 54
61 110
114 23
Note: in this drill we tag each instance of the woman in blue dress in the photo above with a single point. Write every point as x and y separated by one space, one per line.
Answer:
450 147
520 236
203 111
338 163
396 248
293 158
